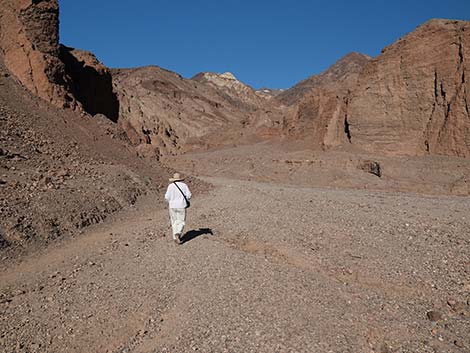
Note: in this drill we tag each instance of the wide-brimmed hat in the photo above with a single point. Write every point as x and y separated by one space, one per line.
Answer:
176 177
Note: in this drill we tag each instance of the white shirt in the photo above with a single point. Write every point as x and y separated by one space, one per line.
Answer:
174 196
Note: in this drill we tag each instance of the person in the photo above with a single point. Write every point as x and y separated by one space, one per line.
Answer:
177 195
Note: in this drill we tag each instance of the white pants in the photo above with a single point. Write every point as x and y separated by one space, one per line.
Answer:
178 220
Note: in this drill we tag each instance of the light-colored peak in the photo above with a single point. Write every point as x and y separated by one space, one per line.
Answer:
228 75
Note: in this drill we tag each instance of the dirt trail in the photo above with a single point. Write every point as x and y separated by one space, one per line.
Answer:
266 268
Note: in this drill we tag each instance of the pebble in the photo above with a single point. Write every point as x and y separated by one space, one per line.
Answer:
434 315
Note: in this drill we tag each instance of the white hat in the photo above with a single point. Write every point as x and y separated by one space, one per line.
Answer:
176 177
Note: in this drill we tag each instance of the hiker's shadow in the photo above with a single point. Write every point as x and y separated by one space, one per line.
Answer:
188 236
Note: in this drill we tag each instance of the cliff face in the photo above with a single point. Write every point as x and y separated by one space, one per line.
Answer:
65 77
92 84
29 31
414 98
319 103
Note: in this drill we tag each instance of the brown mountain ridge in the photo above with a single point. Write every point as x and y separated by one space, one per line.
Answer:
412 99
325 218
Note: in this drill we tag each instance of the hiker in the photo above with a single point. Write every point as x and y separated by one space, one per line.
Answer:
177 195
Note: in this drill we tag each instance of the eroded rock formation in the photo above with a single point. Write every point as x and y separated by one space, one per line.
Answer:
29 32
320 103
414 98
339 77
162 112
92 84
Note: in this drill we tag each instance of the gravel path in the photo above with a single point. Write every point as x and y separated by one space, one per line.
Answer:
266 268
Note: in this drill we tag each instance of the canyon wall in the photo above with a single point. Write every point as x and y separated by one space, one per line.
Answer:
29 41
414 97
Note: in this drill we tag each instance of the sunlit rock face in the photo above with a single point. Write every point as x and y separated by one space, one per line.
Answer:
29 40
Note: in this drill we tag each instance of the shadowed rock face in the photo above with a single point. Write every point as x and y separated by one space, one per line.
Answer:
65 77
92 82
414 98
29 41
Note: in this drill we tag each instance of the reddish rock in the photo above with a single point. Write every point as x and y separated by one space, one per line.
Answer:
434 315
29 41
92 82
414 98
321 103
339 77
170 114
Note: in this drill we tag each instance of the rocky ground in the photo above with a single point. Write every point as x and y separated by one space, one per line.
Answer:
295 163
61 171
266 267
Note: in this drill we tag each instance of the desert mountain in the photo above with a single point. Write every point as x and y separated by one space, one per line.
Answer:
342 75
162 112
412 99
415 97
233 88
317 103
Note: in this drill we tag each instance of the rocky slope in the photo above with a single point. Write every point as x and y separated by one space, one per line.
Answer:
340 76
61 171
318 103
164 113
415 97
235 90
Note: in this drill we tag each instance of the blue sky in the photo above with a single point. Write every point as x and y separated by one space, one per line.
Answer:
273 43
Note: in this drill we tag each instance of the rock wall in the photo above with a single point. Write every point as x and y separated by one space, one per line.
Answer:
319 103
319 118
29 41
92 83
414 98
